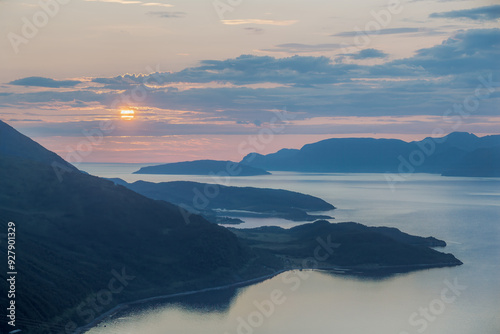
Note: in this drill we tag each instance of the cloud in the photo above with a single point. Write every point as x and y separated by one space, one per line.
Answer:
165 14
473 50
39 99
321 125
481 13
134 2
388 31
247 69
44 82
156 4
140 128
465 52
369 53
24 120
248 87
123 2
218 106
260 22
254 30
303 48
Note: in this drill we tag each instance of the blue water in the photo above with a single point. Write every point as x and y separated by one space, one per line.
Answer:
465 212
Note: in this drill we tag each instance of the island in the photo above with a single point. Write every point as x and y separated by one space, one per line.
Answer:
204 167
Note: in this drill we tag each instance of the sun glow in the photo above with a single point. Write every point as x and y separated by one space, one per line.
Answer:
127 114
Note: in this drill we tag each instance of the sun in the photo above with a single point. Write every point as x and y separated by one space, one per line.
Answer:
127 114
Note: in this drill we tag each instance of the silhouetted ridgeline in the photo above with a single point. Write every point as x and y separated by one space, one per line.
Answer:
15 144
233 201
350 246
458 153
203 167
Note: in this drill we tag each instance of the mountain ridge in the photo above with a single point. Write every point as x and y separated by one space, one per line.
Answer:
370 155
25 146
233 201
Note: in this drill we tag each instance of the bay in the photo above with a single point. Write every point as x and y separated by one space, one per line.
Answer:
465 212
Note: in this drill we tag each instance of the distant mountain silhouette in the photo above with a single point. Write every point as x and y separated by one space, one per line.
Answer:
203 167
368 155
483 162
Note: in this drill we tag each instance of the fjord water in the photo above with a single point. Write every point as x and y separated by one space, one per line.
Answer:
465 212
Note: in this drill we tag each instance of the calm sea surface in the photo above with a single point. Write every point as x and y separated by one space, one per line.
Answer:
465 212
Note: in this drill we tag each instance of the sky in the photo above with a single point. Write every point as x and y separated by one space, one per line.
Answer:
162 81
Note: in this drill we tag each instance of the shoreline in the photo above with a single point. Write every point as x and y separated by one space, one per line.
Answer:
122 306
344 271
